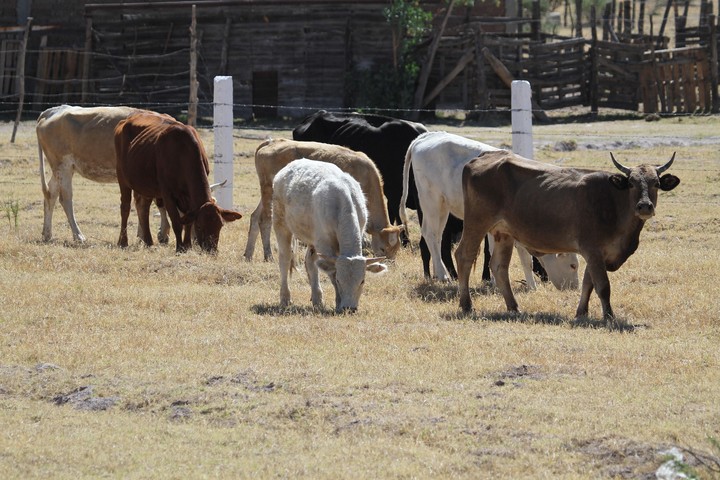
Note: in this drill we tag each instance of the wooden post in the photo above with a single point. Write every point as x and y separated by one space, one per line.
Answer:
507 78
21 77
192 106
659 44
641 18
426 67
481 87
86 60
627 17
578 15
535 25
714 63
593 65
225 47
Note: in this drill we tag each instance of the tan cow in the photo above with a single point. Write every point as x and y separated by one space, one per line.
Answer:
552 209
274 154
78 139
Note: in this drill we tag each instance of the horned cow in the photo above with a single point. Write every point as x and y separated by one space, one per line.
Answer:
552 209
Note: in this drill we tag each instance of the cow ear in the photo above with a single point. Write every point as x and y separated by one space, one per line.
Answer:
668 182
230 215
326 264
620 181
188 218
373 265
376 268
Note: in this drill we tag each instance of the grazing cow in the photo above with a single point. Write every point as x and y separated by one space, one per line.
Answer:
384 139
323 207
272 155
159 157
438 159
78 139
553 209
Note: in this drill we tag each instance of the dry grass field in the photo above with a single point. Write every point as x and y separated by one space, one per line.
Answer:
141 363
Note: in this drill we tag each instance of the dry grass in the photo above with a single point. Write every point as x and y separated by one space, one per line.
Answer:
142 363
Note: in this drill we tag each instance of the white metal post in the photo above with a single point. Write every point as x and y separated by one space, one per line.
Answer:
521 105
223 130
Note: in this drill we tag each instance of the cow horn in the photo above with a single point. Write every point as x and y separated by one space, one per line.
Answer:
667 165
214 186
619 165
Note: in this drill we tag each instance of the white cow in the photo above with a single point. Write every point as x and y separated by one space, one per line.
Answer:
437 160
323 207
78 139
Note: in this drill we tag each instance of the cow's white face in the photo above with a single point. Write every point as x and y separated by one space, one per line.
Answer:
348 278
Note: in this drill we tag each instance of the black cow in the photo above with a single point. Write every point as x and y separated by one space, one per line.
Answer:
385 140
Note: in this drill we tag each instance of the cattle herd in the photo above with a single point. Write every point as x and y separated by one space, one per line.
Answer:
343 176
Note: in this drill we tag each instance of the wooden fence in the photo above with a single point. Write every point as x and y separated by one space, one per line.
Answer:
137 60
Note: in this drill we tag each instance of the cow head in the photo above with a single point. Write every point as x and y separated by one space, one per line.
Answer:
644 181
347 275
387 241
207 221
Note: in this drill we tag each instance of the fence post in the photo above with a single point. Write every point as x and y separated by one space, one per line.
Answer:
86 60
521 106
223 130
21 77
714 63
192 106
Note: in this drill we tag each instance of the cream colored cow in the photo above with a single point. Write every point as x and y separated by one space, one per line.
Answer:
274 154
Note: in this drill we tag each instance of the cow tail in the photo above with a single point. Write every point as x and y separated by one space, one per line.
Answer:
43 183
406 186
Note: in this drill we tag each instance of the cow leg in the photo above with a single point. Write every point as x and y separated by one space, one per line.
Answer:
125 199
500 266
431 230
285 261
585 291
181 244
164 232
424 250
265 221
142 207
465 256
601 283
49 206
316 297
64 177
446 251
526 260
253 232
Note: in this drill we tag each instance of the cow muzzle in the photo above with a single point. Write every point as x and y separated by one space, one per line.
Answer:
645 210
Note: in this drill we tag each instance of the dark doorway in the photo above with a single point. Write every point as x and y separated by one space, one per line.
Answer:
265 94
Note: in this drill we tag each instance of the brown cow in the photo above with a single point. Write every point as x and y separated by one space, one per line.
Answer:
159 157
551 209
274 154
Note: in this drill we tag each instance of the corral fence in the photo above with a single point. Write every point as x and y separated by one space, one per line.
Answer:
629 73
151 63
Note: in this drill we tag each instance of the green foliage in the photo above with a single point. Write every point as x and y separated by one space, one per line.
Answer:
12 210
393 86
